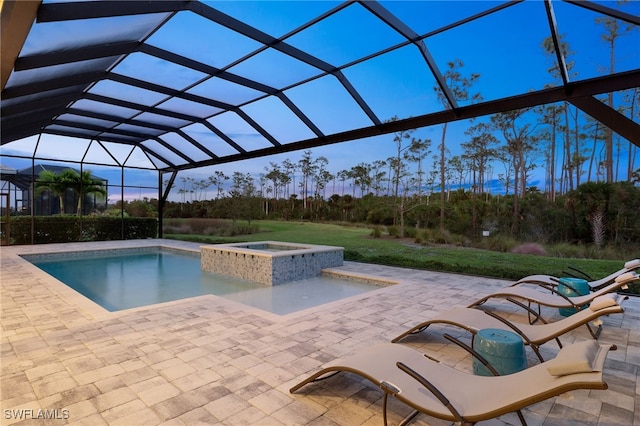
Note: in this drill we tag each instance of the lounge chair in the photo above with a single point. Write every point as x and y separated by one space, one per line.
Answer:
474 320
555 299
446 393
550 280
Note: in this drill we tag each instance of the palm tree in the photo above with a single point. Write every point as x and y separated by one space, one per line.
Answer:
82 184
55 183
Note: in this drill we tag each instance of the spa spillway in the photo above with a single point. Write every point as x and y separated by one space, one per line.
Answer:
270 262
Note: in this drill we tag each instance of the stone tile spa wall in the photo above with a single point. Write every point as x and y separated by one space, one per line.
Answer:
270 262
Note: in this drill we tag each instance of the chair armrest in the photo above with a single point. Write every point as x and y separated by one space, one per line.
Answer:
555 280
528 309
473 353
584 274
511 325
433 389
570 287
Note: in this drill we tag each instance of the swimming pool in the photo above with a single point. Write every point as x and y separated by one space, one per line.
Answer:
130 278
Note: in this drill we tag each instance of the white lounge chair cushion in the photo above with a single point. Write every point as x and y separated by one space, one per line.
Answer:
577 358
603 301
632 264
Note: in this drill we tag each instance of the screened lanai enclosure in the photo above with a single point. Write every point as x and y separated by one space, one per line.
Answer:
134 92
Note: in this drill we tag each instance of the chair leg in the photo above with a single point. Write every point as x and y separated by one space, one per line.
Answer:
530 311
384 408
405 421
536 350
409 418
559 343
521 417
595 334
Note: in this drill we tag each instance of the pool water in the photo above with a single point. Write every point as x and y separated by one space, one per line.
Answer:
129 279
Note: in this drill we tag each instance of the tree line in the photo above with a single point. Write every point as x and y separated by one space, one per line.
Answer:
508 148
599 213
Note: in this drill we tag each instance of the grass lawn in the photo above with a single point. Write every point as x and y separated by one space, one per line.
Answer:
361 247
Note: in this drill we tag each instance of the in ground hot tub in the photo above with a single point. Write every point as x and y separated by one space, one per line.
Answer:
270 262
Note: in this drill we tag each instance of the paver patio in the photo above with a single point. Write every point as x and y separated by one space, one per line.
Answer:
207 360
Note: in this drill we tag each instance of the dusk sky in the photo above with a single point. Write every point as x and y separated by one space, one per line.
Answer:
503 48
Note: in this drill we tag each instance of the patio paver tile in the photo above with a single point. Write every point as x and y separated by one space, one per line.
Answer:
71 396
92 420
93 376
349 413
143 417
123 410
614 415
113 398
147 384
197 379
199 416
83 363
271 401
248 417
158 393
299 413
14 385
178 405
226 406
53 383
80 409
133 377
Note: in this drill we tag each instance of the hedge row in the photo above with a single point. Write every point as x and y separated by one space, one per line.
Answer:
65 229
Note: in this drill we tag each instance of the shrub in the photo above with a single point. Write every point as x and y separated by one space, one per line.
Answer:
210 227
353 255
499 242
462 241
394 231
65 229
183 228
243 229
567 250
437 236
424 236
442 236
529 248
589 251
410 231
380 215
